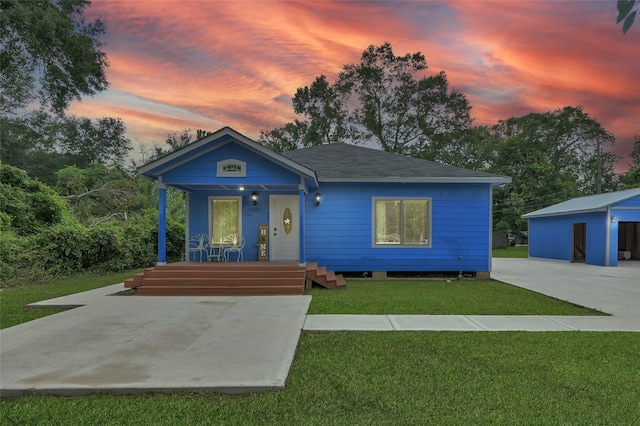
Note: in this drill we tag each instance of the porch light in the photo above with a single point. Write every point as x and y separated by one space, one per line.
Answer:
254 198
614 219
318 197
241 188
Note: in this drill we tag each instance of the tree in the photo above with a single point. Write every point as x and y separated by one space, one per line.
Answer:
96 194
472 148
382 100
42 144
631 179
626 13
173 142
49 53
551 157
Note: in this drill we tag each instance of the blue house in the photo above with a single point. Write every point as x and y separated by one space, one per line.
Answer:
346 207
598 229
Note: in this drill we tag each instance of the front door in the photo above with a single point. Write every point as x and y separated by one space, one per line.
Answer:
284 227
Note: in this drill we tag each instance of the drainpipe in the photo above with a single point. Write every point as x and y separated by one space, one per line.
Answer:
162 222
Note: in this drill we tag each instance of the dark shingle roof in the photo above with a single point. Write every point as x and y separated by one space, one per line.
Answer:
340 162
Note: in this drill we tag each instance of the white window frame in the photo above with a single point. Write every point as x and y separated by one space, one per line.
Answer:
210 217
224 164
429 239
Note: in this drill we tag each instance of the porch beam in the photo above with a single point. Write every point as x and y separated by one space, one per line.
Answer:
162 223
301 199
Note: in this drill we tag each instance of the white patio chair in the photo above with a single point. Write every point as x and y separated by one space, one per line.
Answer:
199 244
237 244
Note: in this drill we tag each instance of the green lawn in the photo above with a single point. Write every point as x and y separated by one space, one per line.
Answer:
521 252
426 297
399 378
14 300
393 378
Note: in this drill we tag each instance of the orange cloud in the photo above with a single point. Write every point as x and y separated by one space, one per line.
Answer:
178 65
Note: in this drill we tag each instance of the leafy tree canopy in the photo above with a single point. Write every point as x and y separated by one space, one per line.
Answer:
383 100
631 179
551 157
49 53
42 144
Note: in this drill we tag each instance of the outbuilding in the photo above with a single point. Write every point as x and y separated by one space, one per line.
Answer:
345 207
599 229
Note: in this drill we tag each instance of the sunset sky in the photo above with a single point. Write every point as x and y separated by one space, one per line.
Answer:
208 64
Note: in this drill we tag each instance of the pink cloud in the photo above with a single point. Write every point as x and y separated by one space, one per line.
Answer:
202 64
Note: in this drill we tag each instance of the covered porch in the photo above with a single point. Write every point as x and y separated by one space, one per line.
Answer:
234 186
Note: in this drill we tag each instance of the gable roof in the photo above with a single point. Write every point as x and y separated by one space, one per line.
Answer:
598 202
156 168
340 162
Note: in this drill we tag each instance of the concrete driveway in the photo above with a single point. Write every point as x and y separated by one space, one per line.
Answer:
614 290
155 344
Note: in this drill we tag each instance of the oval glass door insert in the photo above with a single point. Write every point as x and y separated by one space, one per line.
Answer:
287 220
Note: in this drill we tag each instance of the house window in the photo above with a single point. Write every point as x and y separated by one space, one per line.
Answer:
232 168
225 216
402 222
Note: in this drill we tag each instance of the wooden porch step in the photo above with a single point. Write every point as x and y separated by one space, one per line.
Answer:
327 279
260 290
232 266
231 273
232 278
221 281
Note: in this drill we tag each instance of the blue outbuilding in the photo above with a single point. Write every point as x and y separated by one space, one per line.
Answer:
348 208
598 229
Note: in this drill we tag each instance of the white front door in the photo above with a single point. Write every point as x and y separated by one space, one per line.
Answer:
284 227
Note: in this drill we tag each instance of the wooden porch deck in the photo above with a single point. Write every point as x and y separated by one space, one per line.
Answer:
231 279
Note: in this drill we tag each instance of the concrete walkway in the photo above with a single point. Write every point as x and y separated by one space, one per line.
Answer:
321 323
613 290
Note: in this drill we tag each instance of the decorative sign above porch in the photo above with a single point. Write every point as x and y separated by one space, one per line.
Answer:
287 220
232 168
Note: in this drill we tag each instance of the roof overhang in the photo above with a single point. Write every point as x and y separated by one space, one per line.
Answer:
494 181
564 213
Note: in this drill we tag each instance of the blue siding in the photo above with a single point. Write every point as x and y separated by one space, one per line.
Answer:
631 202
252 216
552 237
203 169
339 231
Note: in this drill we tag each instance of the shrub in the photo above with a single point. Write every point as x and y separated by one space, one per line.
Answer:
31 204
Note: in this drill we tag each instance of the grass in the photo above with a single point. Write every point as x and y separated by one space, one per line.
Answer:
14 300
392 378
521 252
467 297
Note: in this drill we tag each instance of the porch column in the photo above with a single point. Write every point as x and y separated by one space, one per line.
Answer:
162 223
302 204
